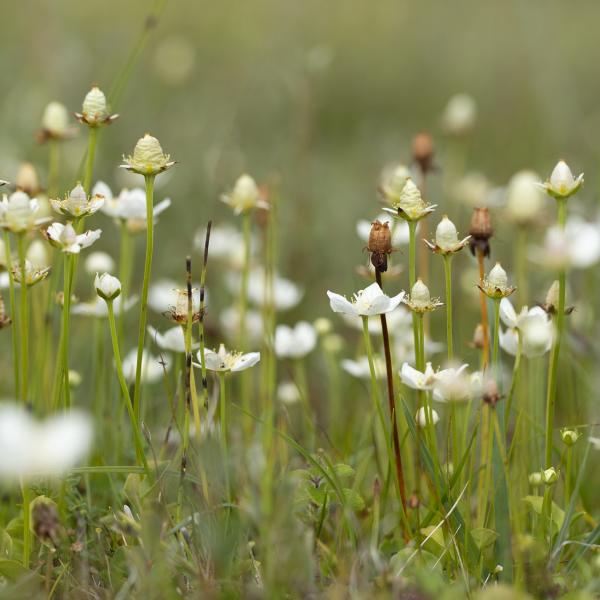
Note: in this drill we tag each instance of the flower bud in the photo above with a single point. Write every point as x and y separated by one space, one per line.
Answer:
497 277
446 235
569 436
99 262
459 115
535 478
419 294
95 109
148 157
55 120
549 476
27 179
422 417
524 199
107 286
478 336
37 254
562 184
410 198
423 151
245 194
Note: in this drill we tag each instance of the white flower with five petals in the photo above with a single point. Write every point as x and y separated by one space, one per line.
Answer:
365 303
226 361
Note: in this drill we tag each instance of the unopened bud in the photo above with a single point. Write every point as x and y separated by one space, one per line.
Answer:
498 277
569 436
27 179
419 294
535 478
423 151
549 476
446 235
95 108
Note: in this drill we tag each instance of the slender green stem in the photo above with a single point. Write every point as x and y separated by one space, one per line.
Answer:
125 263
68 279
246 226
137 434
24 319
515 379
412 277
223 423
495 355
89 161
53 167
26 492
521 260
568 474
13 314
448 275
144 300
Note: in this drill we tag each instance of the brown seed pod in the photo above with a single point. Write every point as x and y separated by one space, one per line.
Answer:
423 151
380 245
481 231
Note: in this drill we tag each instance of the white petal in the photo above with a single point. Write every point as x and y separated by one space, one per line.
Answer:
246 361
507 313
339 304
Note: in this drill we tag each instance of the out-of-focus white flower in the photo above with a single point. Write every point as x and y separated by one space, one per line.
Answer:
453 385
55 122
524 199
153 368
230 321
31 448
295 342
19 213
421 417
97 307
99 262
418 380
393 181
148 157
365 303
66 238
285 293
474 189
129 207
172 339
245 196
224 360
164 295
410 206
323 326
226 241
33 274
533 325
578 246
37 254
107 286
360 367
399 229
287 392
460 115
27 180
77 204
562 183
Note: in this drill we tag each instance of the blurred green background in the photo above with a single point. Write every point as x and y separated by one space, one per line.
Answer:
319 96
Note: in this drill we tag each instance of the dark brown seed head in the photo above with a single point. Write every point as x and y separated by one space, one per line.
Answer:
481 231
380 245
423 151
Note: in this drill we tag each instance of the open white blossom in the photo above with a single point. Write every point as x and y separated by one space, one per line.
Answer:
360 369
295 342
225 360
230 321
365 303
20 213
77 204
153 368
66 238
454 385
31 448
562 183
173 339
416 379
533 325
129 207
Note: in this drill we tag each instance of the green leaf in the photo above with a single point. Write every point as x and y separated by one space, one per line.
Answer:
537 502
437 537
342 470
6 544
483 537
353 499
12 569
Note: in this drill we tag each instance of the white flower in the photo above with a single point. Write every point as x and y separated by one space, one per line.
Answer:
420 299
399 229
164 295
495 285
94 108
148 157
27 179
37 254
77 204
524 199
474 189
453 385
393 182
33 274
360 367
533 325
244 196
55 121
578 246
153 368
99 262
459 115
230 321
18 213
31 448
295 342
226 241
228 361
365 303
418 380
66 238
562 183
172 339
421 417
107 286
285 294
129 207
287 392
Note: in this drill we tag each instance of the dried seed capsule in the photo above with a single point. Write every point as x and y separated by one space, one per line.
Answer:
380 245
423 151
481 231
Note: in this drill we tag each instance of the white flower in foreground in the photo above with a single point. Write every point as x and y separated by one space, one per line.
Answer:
97 307
19 213
399 229
129 207
295 342
31 448
524 198
173 339
77 204
107 286
460 115
418 380
495 285
420 300
99 262
224 360
360 367
66 238
421 417
153 368
578 246
365 303
562 183
245 196
148 157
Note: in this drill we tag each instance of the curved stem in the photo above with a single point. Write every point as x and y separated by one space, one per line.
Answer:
24 319
144 300
13 314
137 435
448 275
